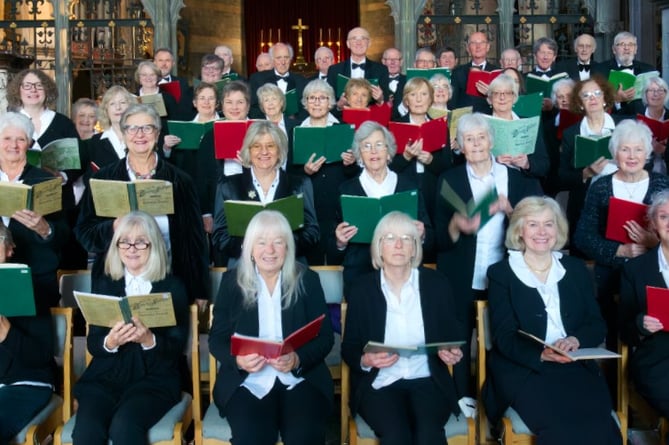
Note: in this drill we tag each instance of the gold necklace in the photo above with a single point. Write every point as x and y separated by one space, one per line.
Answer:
545 269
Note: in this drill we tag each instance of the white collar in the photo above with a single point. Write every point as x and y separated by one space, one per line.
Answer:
525 275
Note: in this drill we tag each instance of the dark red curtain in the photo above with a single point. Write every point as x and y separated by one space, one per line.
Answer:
328 21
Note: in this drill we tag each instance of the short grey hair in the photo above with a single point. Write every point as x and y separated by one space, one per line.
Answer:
141 109
400 222
586 36
319 85
268 90
660 83
562 83
255 131
365 130
291 53
441 78
552 45
631 131
474 121
658 200
17 120
500 82
624 35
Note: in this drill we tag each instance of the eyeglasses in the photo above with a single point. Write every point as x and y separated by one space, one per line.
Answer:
391 239
206 99
440 87
134 129
590 94
656 91
392 59
30 85
138 245
379 146
625 45
314 99
358 39
502 93
211 68
478 42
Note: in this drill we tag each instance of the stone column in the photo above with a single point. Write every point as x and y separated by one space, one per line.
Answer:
607 24
505 13
165 14
405 14
62 56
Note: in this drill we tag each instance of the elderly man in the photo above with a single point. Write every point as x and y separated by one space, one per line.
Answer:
263 62
225 53
424 58
281 76
511 58
359 66
163 58
584 65
446 58
392 59
324 57
478 47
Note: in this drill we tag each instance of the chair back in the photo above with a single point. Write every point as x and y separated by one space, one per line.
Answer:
69 281
215 275
62 325
332 281
483 345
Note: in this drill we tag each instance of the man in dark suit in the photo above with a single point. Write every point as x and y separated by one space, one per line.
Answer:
281 76
392 59
359 66
584 64
225 53
624 50
324 57
511 58
477 47
163 58
545 52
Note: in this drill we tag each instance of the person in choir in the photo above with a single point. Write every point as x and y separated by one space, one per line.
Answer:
655 99
27 371
511 58
182 231
561 97
644 333
424 58
446 58
630 147
517 77
225 53
358 93
272 103
323 57
263 62
442 94
108 147
263 180
134 376
39 238
358 42
373 147
584 65
392 59
502 94
545 52
270 295
422 166
549 295
147 76
318 99
465 249
281 76
405 400
624 59
211 68
478 47
84 115
163 58
591 98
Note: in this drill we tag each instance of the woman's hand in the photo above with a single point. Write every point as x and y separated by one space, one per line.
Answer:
285 363
33 221
120 334
595 168
171 141
208 223
379 359
421 228
312 166
482 87
342 102
640 235
348 158
548 355
450 356
344 232
4 327
142 334
567 344
412 149
501 205
659 147
251 362
461 224
652 324
377 94
630 250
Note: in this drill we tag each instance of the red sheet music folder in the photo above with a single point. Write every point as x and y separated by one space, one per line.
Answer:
657 304
621 211
434 134
229 137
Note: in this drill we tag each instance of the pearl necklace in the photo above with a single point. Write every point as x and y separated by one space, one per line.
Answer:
149 175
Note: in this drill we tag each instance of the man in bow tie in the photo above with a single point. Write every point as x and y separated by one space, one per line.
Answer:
624 51
163 58
446 58
545 52
392 59
584 65
511 58
359 66
225 53
324 57
477 47
281 76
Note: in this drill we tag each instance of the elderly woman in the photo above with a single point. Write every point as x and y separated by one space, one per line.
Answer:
540 291
84 115
270 295
406 400
358 93
654 98
133 378
39 238
465 247
318 99
442 94
147 76
591 98
26 361
374 147
272 104
630 147
424 167
650 360
517 78
182 231
263 152
502 94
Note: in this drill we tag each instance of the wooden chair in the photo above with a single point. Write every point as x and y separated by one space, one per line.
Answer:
514 431
171 428
458 430
212 429
47 420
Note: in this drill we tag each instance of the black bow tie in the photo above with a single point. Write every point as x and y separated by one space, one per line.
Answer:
626 67
583 67
167 79
358 65
481 66
280 77
395 77
547 73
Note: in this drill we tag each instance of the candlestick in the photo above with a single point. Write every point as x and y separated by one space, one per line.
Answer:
320 35
269 42
279 39
262 40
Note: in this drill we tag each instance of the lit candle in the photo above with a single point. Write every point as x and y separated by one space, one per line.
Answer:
269 42
320 36
279 38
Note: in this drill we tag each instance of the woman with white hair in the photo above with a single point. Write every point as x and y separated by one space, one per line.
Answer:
405 400
655 99
270 295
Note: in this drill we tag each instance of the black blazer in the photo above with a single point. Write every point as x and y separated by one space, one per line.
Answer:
373 70
397 96
185 110
366 321
294 81
456 260
132 367
231 316
515 306
459 97
27 351
42 255
356 258
240 187
190 256
97 150
604 68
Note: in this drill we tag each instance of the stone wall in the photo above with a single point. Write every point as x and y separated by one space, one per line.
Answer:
375 17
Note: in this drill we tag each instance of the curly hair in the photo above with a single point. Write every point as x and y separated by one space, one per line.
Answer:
576 103
14 89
